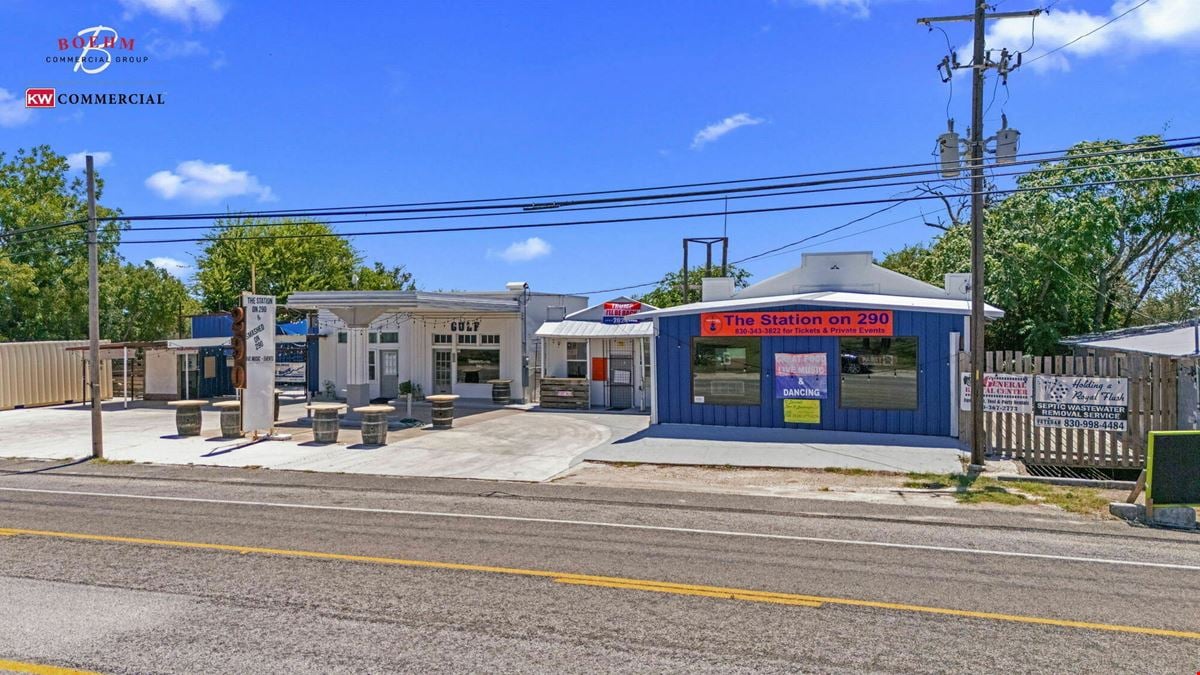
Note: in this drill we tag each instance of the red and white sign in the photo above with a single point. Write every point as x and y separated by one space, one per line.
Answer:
39 97
841 322
1002 393
621 312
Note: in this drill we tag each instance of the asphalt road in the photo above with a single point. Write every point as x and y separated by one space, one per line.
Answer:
135 569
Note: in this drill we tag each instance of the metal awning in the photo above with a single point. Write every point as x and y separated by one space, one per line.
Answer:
595 329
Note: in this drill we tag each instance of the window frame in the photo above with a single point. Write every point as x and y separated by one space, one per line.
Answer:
586 352
701 339
443 339
394 335
371 361
458 371
916 370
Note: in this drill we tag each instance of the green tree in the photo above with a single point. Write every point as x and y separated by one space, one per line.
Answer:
1085 252
669 291
143 302
283 257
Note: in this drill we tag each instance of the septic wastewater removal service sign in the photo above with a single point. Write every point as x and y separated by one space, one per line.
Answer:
798 324
1068 402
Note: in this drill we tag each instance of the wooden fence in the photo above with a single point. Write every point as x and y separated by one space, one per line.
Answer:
1153 382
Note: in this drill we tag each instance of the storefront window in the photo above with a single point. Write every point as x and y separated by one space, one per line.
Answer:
576 359
726 371
879 373
491 339
467 338
442 339
371 366
476 366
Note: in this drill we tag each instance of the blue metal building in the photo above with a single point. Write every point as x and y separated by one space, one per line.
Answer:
837 344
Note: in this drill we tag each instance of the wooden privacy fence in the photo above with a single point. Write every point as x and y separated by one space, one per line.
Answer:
1153 382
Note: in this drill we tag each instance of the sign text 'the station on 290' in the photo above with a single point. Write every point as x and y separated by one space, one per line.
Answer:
866 323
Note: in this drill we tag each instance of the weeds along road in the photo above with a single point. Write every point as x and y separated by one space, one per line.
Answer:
273 572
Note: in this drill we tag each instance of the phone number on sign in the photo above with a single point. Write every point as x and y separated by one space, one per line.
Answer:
1071 423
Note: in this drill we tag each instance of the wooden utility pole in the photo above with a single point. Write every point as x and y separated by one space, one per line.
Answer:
979 65
94 313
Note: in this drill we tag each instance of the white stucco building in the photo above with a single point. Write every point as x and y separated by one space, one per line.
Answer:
454 342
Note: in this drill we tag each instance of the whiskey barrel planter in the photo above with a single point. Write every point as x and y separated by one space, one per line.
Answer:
374 423
231 418
325 421
501 391
443 410
187 416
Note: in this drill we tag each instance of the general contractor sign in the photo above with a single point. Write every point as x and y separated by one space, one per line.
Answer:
258 398
842 322
1002 393
1073 402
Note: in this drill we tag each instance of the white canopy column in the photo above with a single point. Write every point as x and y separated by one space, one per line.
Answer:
358 320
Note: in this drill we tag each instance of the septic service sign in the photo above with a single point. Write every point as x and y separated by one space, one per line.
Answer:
798 324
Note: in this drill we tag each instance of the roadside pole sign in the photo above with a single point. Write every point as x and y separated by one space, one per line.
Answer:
1173 469
1081 402
1002 393
258 398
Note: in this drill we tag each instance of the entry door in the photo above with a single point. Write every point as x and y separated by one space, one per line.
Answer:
620 382
441 371
389 373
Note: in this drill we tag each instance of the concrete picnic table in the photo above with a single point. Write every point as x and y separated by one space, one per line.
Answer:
231 418
443 410
325 420
374 423
187 416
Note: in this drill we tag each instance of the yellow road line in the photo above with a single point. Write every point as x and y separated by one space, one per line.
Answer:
39 669
728 595
613 582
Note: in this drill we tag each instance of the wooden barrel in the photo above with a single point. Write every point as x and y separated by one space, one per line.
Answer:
231 422
187 420
443 414
325 426
374 428
501 391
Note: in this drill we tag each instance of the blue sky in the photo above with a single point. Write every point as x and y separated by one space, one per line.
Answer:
291 105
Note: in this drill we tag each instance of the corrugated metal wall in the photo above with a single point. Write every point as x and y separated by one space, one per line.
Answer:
212 325
932 416
45 373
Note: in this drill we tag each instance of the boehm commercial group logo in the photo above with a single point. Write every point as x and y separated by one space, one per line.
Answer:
98 48
92 51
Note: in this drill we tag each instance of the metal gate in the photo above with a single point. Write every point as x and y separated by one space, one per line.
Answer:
620 382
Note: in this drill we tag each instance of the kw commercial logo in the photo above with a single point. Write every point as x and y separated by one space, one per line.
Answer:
99 47
39 97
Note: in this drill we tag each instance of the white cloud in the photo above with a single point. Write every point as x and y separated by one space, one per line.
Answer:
522 251
203 12
168 48
1160 23
79 163
12 109
716 130
859 9
199 181
174 267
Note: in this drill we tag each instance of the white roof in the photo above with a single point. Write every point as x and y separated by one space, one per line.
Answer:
595 329
832 299
1165 340
197 343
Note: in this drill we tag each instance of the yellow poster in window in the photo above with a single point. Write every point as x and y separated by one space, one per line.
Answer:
802 410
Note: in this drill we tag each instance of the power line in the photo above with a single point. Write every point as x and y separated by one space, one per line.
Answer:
1166 144
1095 30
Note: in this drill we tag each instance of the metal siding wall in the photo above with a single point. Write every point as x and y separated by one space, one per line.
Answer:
44 373
212 325
673 350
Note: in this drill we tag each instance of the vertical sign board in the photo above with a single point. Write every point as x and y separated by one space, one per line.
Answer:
801 380
1080 402
1002 393
258 398
1173 468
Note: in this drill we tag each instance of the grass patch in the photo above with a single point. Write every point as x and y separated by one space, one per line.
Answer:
624 465
101 460
970 489
1073 499
849 472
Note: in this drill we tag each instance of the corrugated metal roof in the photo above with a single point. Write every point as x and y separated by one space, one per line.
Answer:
1165 340
595 329
832 299
398 300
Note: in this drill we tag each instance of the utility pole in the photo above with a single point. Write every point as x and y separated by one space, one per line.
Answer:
94 313
979 66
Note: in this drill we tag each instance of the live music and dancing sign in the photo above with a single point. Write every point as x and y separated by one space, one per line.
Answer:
841 322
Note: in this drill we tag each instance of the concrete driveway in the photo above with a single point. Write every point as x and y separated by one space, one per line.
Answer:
486 442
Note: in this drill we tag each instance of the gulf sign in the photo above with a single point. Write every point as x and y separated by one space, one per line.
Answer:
834 323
